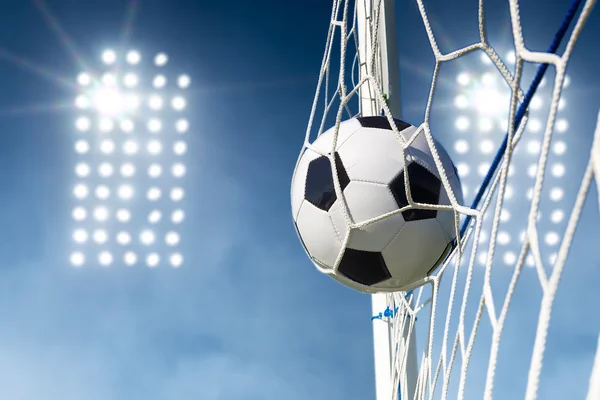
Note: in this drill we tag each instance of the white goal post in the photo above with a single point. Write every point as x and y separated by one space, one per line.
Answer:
385 66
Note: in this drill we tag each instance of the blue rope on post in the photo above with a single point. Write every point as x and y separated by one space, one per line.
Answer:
388 312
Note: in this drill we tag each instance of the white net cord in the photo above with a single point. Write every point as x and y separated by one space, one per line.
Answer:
442 373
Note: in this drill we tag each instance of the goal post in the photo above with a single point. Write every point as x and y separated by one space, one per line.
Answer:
378 58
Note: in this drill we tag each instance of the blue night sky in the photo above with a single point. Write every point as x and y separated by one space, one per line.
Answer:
248 316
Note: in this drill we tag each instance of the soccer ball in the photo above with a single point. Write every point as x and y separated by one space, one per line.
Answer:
388 254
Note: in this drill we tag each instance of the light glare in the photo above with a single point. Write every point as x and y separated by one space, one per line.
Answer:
486 146
172 238
107 146
534 125
130 80
105 258
154 170
161 59
557 216
101 213
80 236
152 260
178 103
463 169
536 103
177 216
81 191
503 238
461 102
463 78
133 57
105 170
176 194
461 146
509 258
100 236
82 170
127 125
552 238
462 123
77 259
485 125
83 124
132 101
483 169
159 81
556 194
106 125
559 147
562 125
125 192
182 125
123 238
154 125
79 214
147 237
84 79
179 148
123 215
82 102
109 79
81 146
127 170
178 170
558 170
176 260
109 56
108 101
154 217
511 57
533 147
130 258
155 102
154 193
130 147
102 192
154 147
183 81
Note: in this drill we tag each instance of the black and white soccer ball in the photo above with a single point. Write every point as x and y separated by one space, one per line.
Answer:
389 254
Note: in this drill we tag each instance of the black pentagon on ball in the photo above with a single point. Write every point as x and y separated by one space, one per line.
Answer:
424 188
364 267
319 189
382 123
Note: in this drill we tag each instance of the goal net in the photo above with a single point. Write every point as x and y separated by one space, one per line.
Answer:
478 327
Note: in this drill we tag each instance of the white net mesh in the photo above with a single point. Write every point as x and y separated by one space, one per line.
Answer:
462 310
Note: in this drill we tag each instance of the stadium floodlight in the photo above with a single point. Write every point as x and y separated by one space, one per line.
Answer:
176 259
480 97
127 137
130 258
183 81
161 59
